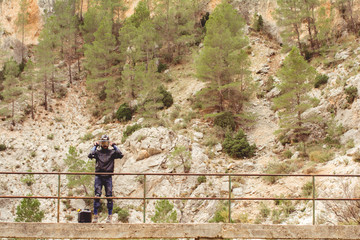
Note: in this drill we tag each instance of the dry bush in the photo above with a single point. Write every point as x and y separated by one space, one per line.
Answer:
347 212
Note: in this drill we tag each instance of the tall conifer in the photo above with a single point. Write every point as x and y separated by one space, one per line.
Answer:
297 79
223 63
12 89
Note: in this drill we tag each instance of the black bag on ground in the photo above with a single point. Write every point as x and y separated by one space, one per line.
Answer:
84 216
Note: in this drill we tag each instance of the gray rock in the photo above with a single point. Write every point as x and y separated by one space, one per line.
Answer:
198 135
342 55
179 121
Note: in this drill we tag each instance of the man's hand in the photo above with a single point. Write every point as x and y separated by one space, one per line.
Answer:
96 144
112 144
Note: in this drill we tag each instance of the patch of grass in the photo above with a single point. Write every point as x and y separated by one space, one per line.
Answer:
87 137
321 156
279 168
50 136
130 130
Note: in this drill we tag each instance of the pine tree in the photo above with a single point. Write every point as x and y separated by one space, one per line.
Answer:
149 97
32 82
66 31
347 11
92 18
324 26
45 57
141 14
223 63
175 22
297 78
12 89
309 16
138 40
289 15
76 164
29 211
101 59
21 22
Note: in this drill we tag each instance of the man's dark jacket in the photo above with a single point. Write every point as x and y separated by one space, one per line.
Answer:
105 158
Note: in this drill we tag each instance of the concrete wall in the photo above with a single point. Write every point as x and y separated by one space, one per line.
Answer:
143 231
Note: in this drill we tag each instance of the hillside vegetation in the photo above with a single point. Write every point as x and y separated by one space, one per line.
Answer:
181 89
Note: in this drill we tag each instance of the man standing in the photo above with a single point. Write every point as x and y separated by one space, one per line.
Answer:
104 164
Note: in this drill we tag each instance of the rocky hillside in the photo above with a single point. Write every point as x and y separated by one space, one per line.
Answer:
43 144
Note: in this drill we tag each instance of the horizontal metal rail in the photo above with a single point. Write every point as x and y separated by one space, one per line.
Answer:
144 198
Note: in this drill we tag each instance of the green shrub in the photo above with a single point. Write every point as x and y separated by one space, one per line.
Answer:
130 130
321 79
307 189
238 146
29 211
2 147
124 113
164 212
264 210
50 136
28 179
258 22
225 120
123 214
201 179
167 98
356 157
162 67
284 139
221 214
288 154
351 94
102 94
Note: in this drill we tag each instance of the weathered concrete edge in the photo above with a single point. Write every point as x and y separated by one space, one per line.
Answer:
178 230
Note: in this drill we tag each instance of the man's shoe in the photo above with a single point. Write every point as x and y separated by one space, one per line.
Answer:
109 219
96 219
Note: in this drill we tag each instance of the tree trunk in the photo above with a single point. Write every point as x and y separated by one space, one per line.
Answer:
45 93
81 9
317 44
13 113
52 82
70 75
298 39
310 34
32 103
22 42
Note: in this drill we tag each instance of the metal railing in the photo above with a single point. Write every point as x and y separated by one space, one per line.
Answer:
145 198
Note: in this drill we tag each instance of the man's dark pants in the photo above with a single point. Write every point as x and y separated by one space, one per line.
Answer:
100 181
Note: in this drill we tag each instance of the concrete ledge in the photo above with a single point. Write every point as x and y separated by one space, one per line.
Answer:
144 231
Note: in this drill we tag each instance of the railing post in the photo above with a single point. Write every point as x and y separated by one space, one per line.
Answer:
144 213
229 198
313 197
58 199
